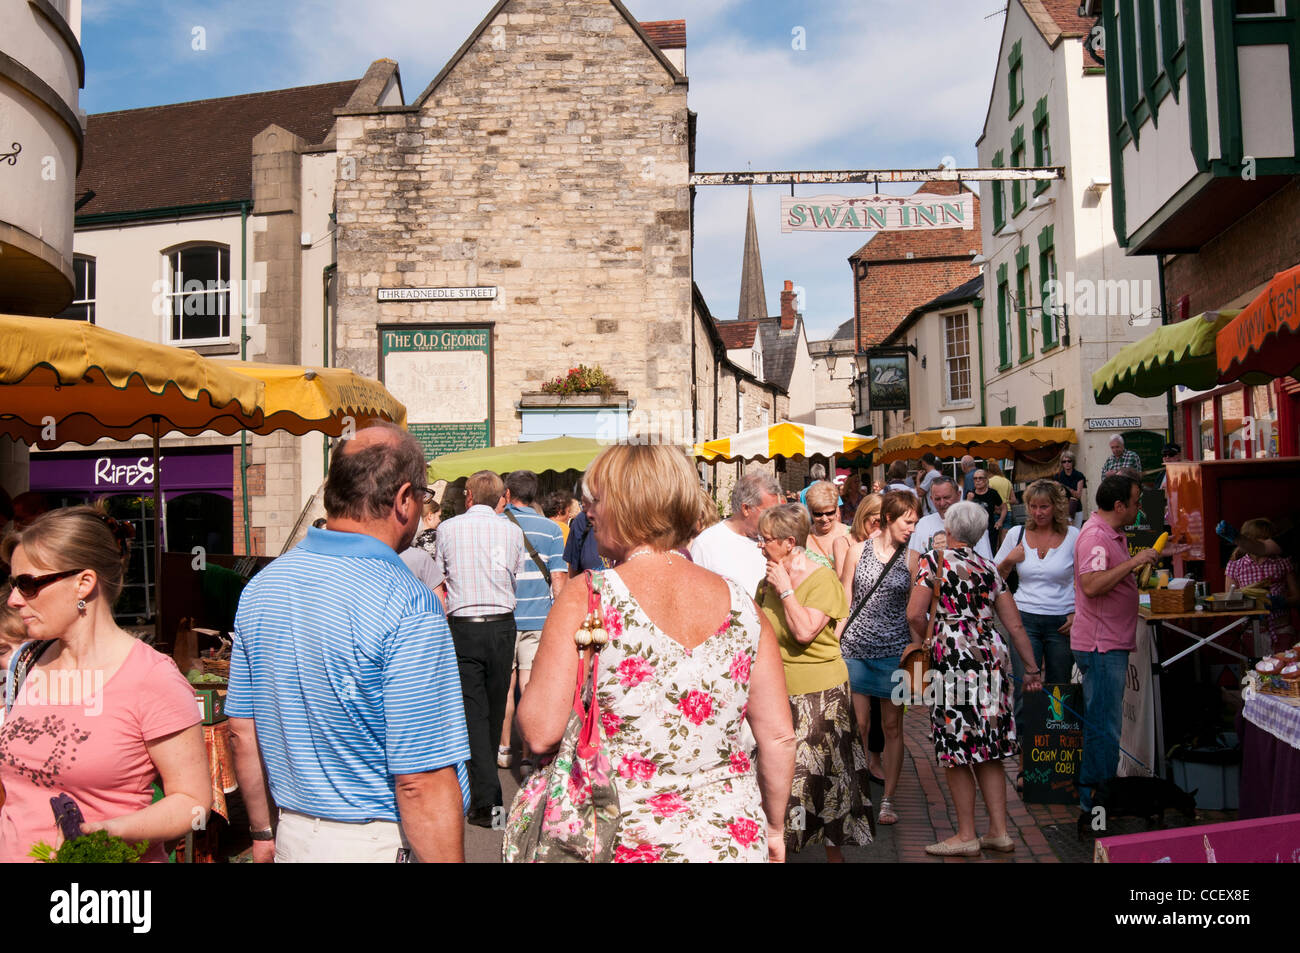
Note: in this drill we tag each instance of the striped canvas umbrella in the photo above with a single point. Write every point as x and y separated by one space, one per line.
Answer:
785 439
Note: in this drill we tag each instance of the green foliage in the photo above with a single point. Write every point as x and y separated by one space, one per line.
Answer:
581 380
99 847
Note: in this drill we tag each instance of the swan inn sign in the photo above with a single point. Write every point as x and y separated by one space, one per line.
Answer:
877 213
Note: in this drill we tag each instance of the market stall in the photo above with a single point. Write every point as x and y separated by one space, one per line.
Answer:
557 454
1174 354
1036 450
1269 726
786 439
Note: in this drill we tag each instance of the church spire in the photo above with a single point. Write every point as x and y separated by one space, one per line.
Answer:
753 301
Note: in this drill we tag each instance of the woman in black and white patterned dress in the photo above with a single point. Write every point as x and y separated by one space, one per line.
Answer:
871 646
972 712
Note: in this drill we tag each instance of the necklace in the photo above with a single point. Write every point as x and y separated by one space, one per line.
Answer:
646 552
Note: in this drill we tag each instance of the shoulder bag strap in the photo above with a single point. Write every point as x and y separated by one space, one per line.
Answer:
532 550
872 591
24 660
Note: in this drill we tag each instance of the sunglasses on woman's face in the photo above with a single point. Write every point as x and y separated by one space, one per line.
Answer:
30 585
825 515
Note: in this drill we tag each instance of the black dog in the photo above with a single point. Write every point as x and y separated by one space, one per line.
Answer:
1138 797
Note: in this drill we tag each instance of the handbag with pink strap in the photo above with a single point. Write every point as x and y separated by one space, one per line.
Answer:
567 812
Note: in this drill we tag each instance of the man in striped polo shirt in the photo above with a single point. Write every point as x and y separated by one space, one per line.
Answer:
535 590
480 555
344 682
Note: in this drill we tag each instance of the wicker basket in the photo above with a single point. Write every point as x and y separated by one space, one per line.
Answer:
216 666
1276 685
1173 600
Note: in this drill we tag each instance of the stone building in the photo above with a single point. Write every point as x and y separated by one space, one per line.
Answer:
835 375
542 174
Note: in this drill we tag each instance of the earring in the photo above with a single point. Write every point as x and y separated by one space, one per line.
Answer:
81 604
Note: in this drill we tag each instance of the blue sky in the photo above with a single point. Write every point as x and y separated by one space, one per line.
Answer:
876 84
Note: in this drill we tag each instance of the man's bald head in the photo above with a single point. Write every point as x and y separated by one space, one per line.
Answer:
967 462
367 472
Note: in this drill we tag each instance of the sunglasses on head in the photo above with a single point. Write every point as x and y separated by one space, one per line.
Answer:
30 585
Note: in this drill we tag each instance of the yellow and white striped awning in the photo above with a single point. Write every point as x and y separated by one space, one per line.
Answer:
785 440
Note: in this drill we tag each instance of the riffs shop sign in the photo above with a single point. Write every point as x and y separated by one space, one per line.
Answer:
877 213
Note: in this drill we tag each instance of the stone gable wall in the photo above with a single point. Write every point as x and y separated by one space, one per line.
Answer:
551 162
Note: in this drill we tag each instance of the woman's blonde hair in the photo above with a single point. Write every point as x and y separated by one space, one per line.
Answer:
1060 502
823 493
868 510
993 469
76 537
1257 529
708 510
785 521
649 493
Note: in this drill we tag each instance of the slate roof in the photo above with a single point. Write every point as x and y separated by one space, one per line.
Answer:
844 332
779 349
194 153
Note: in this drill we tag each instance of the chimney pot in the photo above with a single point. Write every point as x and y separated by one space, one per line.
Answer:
788 313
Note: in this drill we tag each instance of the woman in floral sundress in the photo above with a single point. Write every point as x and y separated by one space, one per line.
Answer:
688 663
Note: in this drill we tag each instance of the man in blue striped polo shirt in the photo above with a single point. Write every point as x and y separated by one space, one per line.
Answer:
534 591
343 680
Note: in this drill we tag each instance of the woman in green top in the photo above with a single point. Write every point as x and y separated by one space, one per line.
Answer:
804 601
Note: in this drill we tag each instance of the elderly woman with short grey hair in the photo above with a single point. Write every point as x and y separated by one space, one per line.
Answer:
951 612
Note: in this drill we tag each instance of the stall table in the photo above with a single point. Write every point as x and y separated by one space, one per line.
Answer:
1160 621
1269 727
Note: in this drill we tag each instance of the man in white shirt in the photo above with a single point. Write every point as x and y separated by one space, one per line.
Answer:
929 473
730 548
943 494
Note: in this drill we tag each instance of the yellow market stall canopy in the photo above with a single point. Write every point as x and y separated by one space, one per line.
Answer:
785 440
1182 353
305 400
986 442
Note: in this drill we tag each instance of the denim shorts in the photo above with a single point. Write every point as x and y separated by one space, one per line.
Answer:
873 677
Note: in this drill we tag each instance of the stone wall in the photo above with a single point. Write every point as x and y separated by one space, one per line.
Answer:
549 161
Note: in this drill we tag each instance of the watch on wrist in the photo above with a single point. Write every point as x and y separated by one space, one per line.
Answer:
787 594
265 834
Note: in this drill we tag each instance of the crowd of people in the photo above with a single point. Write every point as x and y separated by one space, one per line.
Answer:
387 668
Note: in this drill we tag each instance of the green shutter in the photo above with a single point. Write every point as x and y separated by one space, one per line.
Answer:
1004 328
1042 131
1022 302
1009 417
999 197
1053 404
1018 189
1015 80
1046 247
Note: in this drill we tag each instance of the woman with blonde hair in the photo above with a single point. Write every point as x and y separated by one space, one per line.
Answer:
97 714
827 530
689 661
1041 553
803 601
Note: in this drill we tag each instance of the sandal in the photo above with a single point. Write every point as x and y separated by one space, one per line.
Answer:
886 815
1020 783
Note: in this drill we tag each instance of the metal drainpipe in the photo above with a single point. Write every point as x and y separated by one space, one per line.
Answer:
327 341
979 336
243 356
1170 408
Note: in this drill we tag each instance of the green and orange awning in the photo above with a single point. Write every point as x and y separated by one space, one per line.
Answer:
1263 341
1181 353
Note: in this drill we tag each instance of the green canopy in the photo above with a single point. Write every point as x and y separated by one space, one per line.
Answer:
558 453
1174 354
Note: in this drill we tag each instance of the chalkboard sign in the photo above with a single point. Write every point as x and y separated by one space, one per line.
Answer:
1053 744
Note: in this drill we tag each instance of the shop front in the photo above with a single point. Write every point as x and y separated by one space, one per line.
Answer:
1242 421
197 490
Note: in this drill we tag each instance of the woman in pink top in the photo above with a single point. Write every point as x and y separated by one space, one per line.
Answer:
99 715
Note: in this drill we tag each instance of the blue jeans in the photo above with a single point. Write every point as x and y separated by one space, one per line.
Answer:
1052 656
1104 677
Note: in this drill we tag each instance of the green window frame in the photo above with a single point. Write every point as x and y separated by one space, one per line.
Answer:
1004 321
1015 80
1047 272
1042 142
999 195
1008 416
1018 190
1023 294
